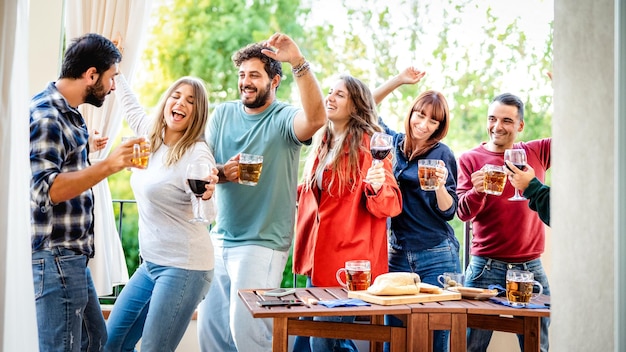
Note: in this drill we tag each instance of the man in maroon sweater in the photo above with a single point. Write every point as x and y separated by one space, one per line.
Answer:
506 234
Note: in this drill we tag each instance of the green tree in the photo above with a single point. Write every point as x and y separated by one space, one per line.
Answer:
199 37
371 41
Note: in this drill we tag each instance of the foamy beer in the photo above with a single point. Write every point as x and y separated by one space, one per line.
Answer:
141 151
358 275
494 180
250 167
426 169
519 287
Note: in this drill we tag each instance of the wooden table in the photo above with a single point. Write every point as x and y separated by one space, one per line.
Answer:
429 316
421 319
286 319
457 316
525 321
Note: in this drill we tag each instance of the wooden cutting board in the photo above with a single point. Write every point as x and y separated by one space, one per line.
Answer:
405 299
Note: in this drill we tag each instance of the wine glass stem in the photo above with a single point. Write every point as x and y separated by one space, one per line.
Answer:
199 208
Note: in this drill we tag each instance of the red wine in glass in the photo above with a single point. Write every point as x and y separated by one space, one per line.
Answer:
380 153
380 146
196 174
197 186
518 158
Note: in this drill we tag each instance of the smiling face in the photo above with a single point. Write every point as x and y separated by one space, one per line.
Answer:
179 108
339 105
423 125
255 87
503 126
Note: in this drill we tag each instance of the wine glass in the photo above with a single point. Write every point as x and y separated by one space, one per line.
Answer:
380 146
196 179
518 158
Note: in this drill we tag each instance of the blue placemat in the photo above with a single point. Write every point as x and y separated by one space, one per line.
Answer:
501 290
505 302
350 302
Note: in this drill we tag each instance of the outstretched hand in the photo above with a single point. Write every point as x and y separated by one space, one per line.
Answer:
282 48
411 75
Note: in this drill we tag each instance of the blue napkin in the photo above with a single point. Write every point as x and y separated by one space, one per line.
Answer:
350 302
501 290
508 304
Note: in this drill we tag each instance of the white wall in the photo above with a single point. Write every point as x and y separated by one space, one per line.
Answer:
583 187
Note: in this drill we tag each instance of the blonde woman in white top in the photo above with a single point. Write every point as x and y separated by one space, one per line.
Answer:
159 300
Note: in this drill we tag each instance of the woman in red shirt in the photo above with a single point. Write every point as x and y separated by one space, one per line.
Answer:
345 200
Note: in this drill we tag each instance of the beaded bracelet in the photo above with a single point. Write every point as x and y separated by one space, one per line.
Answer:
297 67
302 69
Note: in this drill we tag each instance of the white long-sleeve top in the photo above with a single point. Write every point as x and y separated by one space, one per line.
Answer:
164 201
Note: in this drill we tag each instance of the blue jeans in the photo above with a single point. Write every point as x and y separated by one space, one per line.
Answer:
428 264
156 306
319 344
482 272
224 322
69 317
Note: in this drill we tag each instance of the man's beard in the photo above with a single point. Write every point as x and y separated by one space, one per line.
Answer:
261 98
96 94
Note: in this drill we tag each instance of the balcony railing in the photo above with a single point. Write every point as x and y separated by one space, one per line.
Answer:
118 209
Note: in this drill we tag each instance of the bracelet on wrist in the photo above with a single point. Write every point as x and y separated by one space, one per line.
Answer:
301 70
296 67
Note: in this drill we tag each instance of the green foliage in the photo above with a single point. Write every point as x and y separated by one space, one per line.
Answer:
199 37
372 40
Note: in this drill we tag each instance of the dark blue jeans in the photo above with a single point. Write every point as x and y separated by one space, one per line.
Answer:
428 264
482 272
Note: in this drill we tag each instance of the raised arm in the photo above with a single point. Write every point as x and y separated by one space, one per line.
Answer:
134 113
409 75
313 116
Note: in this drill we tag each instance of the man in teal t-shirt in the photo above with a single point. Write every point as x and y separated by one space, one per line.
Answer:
255 224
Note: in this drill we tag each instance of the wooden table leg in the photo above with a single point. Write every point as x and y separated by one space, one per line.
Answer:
377 320
458 333
532 334
417 328
280 339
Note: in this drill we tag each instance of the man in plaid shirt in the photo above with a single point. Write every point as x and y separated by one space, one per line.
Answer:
69 317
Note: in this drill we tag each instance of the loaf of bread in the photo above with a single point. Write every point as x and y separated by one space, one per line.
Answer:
393 284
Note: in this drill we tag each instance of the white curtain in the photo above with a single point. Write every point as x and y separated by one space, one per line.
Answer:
125 21
17 300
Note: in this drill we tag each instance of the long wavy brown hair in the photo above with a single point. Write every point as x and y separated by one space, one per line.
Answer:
363 121
440 112
195 130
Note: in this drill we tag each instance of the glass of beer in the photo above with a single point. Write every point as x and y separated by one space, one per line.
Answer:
250 167
494 180
426 169
358 275
519 287
141 151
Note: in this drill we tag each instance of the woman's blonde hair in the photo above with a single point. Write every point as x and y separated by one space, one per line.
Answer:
363 121
440 112
198 119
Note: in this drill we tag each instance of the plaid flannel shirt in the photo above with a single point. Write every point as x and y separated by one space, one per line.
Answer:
58 144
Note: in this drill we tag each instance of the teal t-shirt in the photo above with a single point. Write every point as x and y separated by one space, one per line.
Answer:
263 214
